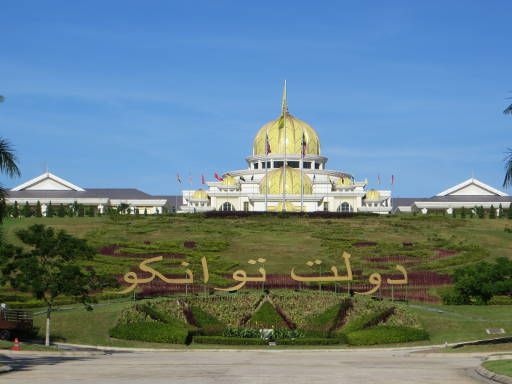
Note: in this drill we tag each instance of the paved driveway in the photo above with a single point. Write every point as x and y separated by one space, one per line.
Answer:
247 366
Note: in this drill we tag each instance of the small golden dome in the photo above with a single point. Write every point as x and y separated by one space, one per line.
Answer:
295 128
373 195
200 194
344 182
292 184
229 180
290 207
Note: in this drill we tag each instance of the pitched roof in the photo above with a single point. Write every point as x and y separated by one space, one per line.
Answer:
48 181
472 186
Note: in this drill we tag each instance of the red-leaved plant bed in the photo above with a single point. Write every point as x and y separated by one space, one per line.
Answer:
361 244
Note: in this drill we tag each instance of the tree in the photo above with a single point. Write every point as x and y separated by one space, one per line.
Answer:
61 212
15 210
479 282
454 213
463 212
500 211
145 211
27 211
480 212
509 212
38 211
50 268
49 210
492 212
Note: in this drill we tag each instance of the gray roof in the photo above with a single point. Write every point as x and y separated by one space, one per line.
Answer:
111 193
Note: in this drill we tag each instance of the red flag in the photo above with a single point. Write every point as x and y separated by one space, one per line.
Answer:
202 180
178 178
216 175
392 179
267 145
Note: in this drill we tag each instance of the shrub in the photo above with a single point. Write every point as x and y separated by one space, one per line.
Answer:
208 324
310 341
323 324
452 297
266 317
386 335
501 300
221 340
367 320
152 332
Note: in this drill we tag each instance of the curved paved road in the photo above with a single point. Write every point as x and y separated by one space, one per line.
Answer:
248 366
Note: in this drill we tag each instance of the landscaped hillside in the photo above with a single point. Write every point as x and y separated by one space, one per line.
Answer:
428 247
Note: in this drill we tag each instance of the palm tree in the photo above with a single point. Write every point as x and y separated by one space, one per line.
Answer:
8 161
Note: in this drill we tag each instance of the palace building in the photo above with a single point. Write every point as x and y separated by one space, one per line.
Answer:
51 189
286 171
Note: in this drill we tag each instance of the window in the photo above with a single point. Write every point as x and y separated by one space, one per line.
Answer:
293 164
278 164
246 206
317 165
344 207
256 165
306 165
326 206
227 206
267 165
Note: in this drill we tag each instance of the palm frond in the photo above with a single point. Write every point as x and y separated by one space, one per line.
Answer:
3 192
8 160
508 110
508 169
2 98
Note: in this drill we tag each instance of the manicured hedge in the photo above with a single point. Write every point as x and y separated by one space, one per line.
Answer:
323 324
310 341
221 340
208 324
386 335
367 321
173 333
266 317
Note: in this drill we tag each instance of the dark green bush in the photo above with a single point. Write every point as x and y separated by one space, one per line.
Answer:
221 340
156 332
386 335
367 321
154 314
266 317
209 325
501 300
452 297
323 324
310 341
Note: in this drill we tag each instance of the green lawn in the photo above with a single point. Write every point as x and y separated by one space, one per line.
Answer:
501 367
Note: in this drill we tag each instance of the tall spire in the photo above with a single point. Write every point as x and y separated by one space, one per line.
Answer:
284 104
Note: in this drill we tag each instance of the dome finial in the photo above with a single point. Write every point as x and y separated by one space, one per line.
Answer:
284 104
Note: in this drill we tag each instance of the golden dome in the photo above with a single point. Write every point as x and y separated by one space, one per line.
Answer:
200 194
292 184
295 128
290 207
373 195
344 182
229 180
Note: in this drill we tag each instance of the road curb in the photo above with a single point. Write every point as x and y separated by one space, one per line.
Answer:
493 376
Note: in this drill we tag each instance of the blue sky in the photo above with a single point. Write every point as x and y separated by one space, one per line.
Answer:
128 93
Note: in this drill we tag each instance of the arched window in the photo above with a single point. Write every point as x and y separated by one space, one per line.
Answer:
344 207
227 206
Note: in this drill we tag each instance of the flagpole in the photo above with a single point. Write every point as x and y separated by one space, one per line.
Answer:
302 151
284 107
266 171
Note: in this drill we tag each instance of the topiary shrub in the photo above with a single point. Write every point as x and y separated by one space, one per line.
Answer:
367 320
266 317
310 341
386 335
323 324
221 340
156 332
208 324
